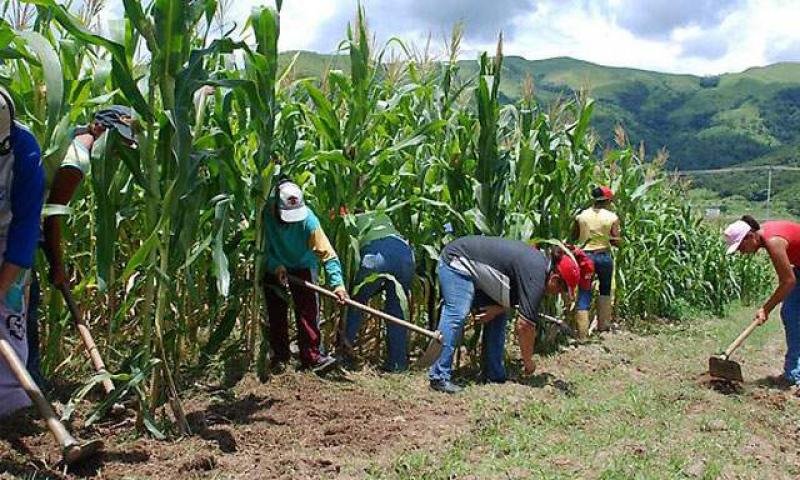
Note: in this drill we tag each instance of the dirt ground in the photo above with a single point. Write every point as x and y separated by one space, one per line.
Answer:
622 406
296 426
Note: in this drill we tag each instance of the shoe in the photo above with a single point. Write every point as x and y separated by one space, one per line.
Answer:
445 386
276 367
345 360
40 381
393 369
324 365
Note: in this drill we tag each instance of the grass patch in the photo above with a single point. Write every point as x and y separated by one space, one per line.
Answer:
634 408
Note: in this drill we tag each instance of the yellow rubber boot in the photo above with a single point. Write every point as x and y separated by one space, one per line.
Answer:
582 324
605 310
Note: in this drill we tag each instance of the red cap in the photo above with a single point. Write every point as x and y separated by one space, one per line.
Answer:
602 193
569 271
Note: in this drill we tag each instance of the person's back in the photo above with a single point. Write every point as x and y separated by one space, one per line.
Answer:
595 225
789 231
384 252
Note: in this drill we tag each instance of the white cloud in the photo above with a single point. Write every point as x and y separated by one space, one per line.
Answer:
681 36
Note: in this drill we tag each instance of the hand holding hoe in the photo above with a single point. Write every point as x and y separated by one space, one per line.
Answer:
721 366
71 450
434 347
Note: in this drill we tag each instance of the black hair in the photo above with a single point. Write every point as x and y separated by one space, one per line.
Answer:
754 225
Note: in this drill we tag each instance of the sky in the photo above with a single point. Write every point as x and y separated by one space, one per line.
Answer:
702 37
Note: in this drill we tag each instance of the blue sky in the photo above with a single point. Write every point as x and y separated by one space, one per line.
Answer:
683 36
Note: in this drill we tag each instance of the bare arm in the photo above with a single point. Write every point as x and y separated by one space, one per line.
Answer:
8 273
65 184
616 235
526 337
777 249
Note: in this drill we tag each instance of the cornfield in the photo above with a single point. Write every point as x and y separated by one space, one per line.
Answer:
164 240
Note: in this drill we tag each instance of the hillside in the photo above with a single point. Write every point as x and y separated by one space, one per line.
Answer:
752 117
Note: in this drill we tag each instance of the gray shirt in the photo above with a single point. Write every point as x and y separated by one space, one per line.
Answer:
510 272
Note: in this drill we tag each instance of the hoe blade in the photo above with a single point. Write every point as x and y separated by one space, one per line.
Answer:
727 369
430 355
77 453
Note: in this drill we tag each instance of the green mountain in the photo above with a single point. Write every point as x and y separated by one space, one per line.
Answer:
736 119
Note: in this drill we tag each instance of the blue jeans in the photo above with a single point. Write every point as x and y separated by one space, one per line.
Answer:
33 365
790 314
458 293
395 257
604 270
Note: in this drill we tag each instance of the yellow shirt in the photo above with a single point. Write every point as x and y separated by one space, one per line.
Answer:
595 228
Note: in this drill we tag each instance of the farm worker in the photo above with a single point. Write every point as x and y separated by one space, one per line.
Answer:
597 230
502 274
66 179
383 252
781 240
296 246
21 198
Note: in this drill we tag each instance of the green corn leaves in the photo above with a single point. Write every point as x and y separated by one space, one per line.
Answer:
167 239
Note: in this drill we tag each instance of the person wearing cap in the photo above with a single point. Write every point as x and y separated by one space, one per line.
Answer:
597 229
383 252
495 275
65 182
781 240
21 197
296 246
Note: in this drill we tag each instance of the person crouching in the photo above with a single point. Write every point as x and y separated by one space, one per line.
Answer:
511 274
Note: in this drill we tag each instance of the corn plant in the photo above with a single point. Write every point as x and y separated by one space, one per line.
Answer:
167 237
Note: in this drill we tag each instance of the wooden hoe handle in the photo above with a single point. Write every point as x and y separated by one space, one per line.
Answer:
45 409
740 339
428 333
86 336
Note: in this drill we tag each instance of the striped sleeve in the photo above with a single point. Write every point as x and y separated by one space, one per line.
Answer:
322 248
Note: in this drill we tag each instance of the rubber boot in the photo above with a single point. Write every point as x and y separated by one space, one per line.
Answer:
604 311
582 324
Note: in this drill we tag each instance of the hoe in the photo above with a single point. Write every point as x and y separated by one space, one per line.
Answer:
72 451
721 366
435 345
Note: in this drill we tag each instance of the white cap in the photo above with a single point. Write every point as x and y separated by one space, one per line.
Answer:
291 205
6 118
735 233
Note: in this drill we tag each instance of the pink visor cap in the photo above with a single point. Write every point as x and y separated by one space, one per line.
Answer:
734 235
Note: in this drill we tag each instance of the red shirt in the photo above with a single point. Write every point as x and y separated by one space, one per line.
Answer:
789 231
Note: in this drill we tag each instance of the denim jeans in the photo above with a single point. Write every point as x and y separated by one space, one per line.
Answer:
790 314
392 256
458 293
604 270
33 364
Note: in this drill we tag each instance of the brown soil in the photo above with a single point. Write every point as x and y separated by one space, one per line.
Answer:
295 426
720 385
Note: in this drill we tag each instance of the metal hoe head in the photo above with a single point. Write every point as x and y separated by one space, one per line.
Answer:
721 367
431 354
78 452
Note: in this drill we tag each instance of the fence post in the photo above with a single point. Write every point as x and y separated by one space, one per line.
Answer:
769 193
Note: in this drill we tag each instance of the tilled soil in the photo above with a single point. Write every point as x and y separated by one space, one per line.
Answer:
295 426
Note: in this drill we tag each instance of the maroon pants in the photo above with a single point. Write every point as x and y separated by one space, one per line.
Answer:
306 310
